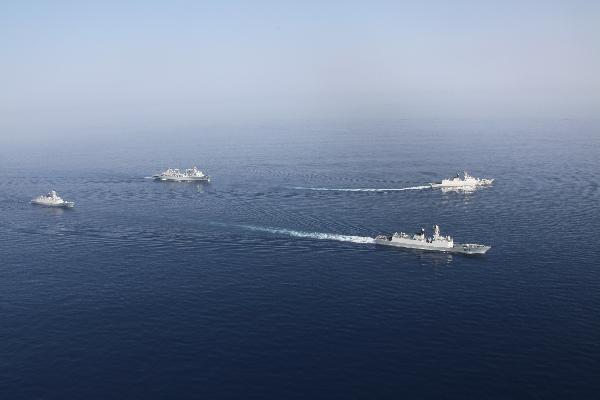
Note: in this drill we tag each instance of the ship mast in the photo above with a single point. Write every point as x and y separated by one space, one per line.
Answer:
436 232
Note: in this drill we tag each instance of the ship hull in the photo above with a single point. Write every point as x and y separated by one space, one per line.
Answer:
457 248
66 204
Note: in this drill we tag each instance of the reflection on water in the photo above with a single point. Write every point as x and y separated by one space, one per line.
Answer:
428 258
200 186
424 257
53 210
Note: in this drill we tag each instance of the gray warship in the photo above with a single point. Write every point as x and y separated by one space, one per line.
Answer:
436 242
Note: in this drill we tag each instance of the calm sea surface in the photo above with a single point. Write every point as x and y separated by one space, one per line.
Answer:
262 284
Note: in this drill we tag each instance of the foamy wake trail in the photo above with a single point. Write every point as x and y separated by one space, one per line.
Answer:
362 189
311 235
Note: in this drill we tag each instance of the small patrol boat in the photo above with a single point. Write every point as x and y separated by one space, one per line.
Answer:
52 199
462 180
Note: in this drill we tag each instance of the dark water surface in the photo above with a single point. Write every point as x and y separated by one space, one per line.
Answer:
256 286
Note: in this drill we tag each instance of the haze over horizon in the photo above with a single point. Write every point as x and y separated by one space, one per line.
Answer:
71 65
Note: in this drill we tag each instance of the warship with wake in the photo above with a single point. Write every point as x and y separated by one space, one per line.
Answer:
437 242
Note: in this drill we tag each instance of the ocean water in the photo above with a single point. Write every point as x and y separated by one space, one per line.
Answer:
265 282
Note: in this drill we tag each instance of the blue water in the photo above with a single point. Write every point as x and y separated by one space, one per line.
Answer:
259 286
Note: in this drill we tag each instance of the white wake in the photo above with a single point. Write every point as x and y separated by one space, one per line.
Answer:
311 235
362 189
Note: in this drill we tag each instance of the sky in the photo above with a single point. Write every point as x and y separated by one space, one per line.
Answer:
72 65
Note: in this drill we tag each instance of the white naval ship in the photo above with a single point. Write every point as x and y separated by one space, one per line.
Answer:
462 180
189 175
52 199
435 243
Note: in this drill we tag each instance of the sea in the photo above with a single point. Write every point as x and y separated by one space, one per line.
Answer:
265 283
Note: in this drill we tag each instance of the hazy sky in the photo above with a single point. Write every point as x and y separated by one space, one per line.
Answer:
70 64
